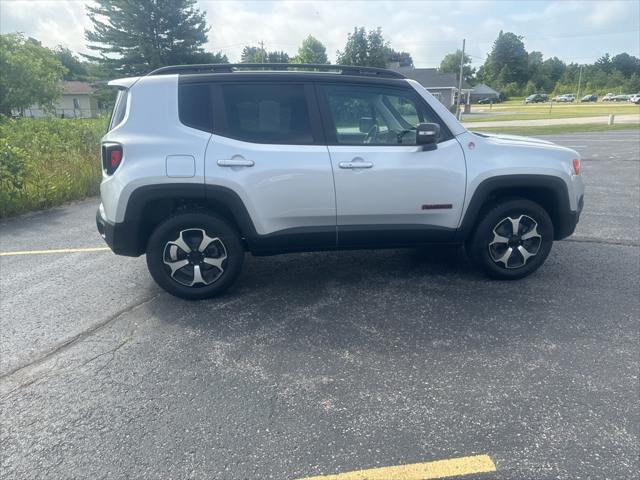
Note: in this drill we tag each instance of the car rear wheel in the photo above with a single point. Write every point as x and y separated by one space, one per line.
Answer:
512 239
195 255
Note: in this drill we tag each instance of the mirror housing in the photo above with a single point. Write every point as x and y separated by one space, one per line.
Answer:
427 135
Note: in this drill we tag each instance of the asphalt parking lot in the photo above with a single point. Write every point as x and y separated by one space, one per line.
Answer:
327 362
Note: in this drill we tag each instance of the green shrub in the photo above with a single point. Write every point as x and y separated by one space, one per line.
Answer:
46 162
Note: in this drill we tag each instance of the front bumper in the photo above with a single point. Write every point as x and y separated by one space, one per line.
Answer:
121 239
569 221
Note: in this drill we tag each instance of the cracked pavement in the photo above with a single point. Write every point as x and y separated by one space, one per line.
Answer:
327 362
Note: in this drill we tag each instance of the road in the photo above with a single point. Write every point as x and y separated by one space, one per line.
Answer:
324 363
602 119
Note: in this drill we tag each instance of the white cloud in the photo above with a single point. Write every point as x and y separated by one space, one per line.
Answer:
51 22
427 29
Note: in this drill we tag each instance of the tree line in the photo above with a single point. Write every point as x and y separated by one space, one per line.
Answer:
133 38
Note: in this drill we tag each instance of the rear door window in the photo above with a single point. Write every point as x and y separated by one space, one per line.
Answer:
267 113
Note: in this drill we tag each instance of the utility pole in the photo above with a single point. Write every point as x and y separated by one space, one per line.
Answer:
579 83
263 54
459 112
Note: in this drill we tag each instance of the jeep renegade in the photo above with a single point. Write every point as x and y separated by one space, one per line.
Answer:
203 163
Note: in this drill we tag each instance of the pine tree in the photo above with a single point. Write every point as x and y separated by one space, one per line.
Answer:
133 37
364 49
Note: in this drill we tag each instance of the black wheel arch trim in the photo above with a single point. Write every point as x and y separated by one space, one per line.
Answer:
553 195
132 233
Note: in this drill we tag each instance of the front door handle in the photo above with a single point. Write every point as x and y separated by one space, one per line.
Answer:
354 164
236 162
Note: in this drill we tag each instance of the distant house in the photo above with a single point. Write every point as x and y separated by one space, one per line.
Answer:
482 91
76 101
443 86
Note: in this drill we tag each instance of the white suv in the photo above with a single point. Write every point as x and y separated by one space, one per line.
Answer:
204 163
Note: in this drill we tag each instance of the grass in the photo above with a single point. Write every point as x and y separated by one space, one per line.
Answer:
46 162
556 129
544 111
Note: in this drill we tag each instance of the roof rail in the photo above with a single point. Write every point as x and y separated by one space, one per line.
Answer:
235 67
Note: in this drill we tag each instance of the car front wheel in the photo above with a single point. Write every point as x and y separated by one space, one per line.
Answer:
512 239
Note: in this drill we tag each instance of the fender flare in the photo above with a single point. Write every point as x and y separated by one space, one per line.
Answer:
554 189
214 196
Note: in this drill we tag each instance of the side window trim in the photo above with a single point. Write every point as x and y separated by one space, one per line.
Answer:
221 123
327 117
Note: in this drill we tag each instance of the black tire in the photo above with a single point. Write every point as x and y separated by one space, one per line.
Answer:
516 266
226 248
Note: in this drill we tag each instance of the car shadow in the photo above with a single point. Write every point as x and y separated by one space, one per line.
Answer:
372 299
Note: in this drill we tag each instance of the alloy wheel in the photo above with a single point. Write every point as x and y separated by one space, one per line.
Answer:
195 258
515 241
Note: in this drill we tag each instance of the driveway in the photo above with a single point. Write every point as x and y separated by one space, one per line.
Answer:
325 363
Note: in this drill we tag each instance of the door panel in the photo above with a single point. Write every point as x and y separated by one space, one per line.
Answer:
403 185
282 186
388 189
268 147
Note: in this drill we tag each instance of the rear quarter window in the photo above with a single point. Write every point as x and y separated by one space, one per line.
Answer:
119 109
194 106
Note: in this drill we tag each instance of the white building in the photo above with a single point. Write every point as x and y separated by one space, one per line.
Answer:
76 101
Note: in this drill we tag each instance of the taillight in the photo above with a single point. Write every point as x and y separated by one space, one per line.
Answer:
576 166
114 158
111 157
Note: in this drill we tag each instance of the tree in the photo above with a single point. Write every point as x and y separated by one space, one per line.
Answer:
508 61
535 72
364 49
253 55
553 68
311 51
277 57
208 57
31 74
626 64
76 70
451 64
260 55
403 59
604 63
135 37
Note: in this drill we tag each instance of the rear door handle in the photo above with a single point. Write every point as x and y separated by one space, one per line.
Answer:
359 164
236 162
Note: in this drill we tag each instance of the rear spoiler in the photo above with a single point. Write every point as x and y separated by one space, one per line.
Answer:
123 82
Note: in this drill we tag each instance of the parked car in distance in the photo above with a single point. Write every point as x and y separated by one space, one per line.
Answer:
486 101
635 99
565 98
536 98
589 98
607 97
204 163
620 98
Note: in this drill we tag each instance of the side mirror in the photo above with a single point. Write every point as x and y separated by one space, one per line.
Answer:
427 135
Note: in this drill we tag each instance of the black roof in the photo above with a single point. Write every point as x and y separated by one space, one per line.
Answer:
352 70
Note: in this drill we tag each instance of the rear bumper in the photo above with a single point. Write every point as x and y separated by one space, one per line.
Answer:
119 238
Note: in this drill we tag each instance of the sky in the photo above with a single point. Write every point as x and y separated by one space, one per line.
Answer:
574 31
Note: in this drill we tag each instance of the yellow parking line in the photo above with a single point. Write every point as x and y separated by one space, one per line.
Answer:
453 467
58 250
